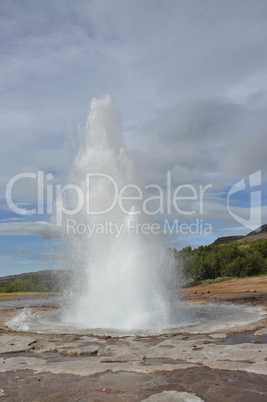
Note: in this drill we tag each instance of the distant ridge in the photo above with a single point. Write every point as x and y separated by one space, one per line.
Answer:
261 229
255 233
51 274
225 239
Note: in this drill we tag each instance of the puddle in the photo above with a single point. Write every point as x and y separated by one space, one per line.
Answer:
9 355
236 339
194 319
154 362
24 303
86 338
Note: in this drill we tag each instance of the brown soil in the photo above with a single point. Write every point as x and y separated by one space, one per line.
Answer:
20 296
247 290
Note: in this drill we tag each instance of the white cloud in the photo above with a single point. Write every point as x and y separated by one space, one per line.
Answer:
189 77
19 251
251 91
42 229
205 140
9 262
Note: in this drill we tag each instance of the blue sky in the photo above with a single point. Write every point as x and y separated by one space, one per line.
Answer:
189 77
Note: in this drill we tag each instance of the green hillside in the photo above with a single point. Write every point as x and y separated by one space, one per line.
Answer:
41 281
235 258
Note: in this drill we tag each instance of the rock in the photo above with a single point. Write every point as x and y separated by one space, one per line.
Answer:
15 343
89 350
218 336
261 332
173 396
2 392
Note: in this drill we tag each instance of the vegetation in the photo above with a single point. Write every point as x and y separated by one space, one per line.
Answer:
233 259
42 281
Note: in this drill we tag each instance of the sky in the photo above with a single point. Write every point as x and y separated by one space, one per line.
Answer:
190 80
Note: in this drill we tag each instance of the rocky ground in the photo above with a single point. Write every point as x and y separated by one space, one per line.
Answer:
227 365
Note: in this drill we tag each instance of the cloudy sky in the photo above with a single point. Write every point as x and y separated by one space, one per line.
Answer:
189 77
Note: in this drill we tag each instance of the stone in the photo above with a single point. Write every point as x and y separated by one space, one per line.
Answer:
261 332
89 350
2 392
218 336
173 396
15 343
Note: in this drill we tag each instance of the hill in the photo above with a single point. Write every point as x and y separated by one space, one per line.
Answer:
227 239
260 230
25 276
40 281
259 233
239 258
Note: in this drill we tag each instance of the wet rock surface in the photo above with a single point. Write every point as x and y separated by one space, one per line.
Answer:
173 396
224 365
208 385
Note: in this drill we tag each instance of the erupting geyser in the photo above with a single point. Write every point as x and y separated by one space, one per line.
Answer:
122 277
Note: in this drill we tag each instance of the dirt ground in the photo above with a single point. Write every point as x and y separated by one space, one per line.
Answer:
247 290
24 295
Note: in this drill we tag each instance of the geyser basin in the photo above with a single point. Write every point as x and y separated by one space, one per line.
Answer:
191 319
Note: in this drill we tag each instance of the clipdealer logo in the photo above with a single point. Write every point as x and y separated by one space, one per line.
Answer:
166 201
130 199
254 219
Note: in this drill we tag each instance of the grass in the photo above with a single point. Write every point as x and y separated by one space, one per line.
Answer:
210 281
218 280
28 293
227 278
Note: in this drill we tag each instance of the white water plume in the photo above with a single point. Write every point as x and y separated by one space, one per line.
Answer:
121 280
